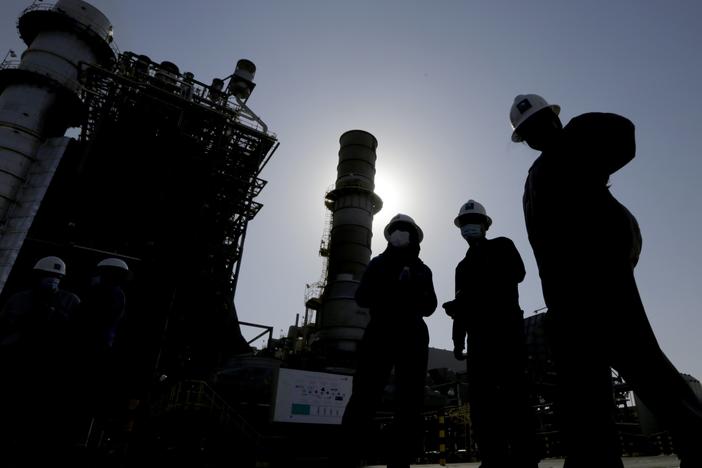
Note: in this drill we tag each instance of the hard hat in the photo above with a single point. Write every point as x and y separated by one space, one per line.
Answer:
523 107
402 218
114 262
51 265
472 207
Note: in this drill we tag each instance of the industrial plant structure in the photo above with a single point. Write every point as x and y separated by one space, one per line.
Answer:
41 97
164 175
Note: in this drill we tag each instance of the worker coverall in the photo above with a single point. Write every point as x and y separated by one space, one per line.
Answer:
486 309
38 373
397 288
101 318
586 245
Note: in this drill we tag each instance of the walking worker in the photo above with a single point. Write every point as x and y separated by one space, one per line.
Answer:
105 304
486 310
398 290
586 246
35 338
34 321
98 325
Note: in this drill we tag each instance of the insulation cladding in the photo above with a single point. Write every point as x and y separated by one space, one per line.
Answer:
353 204
39 101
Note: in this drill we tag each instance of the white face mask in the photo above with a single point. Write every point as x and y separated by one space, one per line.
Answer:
472 231
49 283
399 239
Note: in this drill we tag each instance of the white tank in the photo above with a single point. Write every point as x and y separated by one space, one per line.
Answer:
39 101
88 16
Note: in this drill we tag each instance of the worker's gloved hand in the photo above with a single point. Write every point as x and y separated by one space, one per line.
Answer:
451 308
458 354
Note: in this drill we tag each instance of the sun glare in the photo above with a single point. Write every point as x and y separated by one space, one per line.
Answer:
391 189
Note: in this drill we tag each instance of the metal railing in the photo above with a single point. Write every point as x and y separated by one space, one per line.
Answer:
104 34
267 330
9 64
198 396
140 71
69 82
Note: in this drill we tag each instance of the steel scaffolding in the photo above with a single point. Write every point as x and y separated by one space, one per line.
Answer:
228 144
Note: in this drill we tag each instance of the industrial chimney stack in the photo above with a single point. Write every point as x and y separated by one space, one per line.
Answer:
39 100
352 203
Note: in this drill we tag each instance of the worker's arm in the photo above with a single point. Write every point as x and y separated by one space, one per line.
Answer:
367 292
458 335
515 262
426 299
10 321
456 310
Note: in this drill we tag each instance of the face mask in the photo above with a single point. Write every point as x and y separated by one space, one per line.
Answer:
399 239
49 283
471 231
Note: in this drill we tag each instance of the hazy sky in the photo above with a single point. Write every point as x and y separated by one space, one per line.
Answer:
433 81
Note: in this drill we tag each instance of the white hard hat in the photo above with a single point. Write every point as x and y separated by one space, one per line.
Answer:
472 207
402 218
523 107
114 262
51 265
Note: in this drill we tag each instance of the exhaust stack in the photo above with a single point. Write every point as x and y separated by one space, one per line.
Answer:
353 204
39 100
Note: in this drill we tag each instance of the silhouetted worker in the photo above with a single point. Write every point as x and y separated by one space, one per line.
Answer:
397 288
486 309
35 333
99 323
586 245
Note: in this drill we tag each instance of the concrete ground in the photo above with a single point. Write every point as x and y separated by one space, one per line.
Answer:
663 461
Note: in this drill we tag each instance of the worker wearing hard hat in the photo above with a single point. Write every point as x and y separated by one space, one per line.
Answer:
398 290
101 320
105 302
596 316
35 338
486 310
33 315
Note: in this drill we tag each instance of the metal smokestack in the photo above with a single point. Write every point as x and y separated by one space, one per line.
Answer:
353 204
39 101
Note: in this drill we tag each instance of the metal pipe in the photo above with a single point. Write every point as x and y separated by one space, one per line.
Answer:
353 204
39 101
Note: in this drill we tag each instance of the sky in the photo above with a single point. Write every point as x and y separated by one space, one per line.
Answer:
434 81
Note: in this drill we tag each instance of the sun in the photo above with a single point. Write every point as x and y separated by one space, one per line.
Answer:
391 188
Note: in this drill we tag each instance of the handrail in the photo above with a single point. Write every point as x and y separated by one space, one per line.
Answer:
9 64
267 330
105 34
70 82
188 89
199 395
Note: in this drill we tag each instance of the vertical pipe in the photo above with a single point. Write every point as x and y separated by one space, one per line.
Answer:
39 100
353 204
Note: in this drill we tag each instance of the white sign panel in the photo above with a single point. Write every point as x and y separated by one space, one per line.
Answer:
311 397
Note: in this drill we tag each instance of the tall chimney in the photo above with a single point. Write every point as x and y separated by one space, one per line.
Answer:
353 204
39 101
